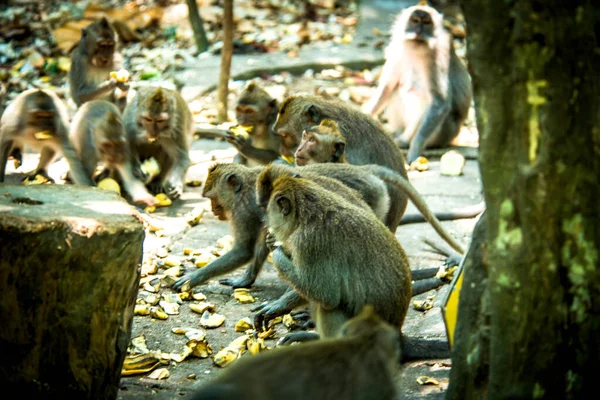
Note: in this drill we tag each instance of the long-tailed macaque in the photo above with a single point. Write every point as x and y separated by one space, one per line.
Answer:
91 63
424 85
38 119
366 140
359 364
231 189
159 124
324 143
315 236
98 136
257 110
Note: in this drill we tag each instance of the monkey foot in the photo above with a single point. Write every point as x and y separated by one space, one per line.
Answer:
297 337
303 319
237 283
267 312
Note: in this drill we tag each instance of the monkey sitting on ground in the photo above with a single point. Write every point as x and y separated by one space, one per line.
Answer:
324 143
257 110
359 364
98 135
231 189
91 63
317 239
424 85
159 124
366 140
38 119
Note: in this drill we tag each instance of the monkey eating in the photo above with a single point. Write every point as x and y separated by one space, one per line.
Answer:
424 85
365 353
98 135
159 124
366 140
91 64
324 143
257 110
315 236
38 119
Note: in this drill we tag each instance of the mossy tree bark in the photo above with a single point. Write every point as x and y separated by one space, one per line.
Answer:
534 69
69 276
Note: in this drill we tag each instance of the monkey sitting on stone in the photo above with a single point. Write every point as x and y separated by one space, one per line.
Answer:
38 119
92 61
99 137
424 85
159 124
257 110
359 364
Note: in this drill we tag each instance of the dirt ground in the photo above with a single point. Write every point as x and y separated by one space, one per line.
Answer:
442 194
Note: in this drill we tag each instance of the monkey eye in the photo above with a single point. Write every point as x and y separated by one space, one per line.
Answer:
312 139
147 119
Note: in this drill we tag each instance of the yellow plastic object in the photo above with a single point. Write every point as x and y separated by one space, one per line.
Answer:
450 307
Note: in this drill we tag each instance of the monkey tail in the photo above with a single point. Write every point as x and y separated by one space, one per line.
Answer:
391 177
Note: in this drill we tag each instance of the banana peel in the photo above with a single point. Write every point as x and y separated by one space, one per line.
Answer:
241 130
243 296
42 135
109 184
140 363
120 76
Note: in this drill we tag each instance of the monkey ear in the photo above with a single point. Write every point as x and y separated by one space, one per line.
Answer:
235 182
104 21
312 112
273 103
251 86
284 204
339 148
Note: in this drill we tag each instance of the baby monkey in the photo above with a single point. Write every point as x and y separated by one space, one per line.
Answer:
38 119
99 137
359 364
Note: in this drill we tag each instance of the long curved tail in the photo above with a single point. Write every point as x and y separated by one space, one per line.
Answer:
391 177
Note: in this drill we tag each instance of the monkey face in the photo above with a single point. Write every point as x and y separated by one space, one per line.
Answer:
221 187
42 119
154 124
420 26
309 150
247 115
104 53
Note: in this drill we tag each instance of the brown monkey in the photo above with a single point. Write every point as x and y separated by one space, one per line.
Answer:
98 135
359 364
38 119
159 124
91 63
366 141
256 109
309 232
231 189
324 143
424 85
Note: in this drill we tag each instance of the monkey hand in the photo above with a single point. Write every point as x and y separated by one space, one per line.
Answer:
123 86
174 188
241 143
110 84
190 280
271 242
145 198
266 312
297 337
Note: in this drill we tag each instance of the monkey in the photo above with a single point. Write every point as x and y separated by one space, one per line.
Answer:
92 60
98 135
256 109
159 124
366 140
232 194
324 143
359 363
424 85
38 119
310 229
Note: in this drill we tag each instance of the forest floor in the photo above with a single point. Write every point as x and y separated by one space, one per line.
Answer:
314 69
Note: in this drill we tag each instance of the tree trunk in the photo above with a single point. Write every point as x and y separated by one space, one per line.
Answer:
538 112
226 54
69 278
197 26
